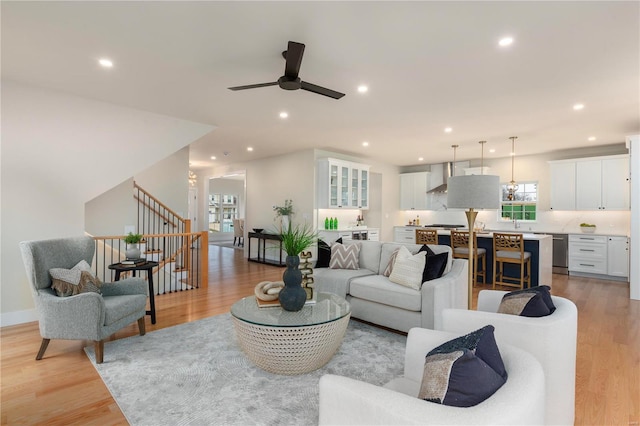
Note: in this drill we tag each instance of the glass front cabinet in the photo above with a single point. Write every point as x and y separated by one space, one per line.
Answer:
343 184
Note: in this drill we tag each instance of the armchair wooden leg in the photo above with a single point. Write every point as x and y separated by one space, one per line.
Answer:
43 347
141 326
99 349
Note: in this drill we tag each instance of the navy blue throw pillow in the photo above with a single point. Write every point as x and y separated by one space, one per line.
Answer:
464 371
324 253
434 266
530 302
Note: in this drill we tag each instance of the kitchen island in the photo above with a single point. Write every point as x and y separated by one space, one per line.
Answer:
539 245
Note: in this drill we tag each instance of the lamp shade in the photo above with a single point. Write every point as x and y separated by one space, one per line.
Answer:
473 191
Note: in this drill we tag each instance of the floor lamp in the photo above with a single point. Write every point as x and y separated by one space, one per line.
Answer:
473 192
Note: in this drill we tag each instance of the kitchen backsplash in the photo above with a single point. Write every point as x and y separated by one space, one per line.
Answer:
607 222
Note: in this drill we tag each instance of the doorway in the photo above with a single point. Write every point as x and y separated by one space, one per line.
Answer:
226 202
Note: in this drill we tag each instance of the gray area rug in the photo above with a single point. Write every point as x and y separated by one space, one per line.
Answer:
196 374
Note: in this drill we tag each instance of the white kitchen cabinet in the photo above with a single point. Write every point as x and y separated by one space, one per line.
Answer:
603 183
342 184
413 191
563 185
374 235
404 234
618 256
588 253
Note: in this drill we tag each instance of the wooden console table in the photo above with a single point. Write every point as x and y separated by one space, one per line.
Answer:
262 238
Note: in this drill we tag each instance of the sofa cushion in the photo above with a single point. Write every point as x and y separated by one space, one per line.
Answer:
530 302
464 371
408 268
387 250
336 281
324 253
369 254
345 256
378 288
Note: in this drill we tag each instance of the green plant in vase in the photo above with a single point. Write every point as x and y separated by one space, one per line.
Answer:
133 250
295 240
284 213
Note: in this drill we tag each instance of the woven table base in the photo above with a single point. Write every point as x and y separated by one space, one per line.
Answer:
290 350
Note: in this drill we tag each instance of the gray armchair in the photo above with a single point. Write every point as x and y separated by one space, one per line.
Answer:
85 316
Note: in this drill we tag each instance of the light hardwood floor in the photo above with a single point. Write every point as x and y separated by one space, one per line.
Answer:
64 388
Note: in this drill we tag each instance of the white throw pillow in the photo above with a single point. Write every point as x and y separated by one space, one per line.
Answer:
408 268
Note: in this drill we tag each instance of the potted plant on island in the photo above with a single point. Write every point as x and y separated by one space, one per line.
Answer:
295 240
133 250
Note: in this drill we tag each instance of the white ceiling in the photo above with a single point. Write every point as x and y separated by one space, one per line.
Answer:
429 65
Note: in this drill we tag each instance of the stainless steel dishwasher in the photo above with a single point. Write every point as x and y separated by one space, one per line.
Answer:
560 253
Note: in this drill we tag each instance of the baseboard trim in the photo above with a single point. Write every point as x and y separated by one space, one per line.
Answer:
18 317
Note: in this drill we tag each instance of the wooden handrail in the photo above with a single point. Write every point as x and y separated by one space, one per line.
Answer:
135 185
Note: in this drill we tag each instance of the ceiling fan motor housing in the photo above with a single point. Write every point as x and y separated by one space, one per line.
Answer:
288 83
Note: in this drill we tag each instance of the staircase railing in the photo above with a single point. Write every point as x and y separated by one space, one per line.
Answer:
154 217
182 259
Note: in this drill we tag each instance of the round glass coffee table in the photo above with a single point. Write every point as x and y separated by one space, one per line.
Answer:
290 343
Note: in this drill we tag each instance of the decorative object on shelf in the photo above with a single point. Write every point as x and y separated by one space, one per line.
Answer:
306 269
473 192
295 239
513 186
133 250
284 213
587 228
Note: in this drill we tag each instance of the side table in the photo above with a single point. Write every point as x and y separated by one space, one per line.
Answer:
146 266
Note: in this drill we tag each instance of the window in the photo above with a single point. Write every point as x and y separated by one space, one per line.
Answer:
223 208
523 206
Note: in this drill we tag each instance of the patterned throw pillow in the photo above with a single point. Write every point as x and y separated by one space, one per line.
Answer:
324 253
392 260
345 256
79 279
464 371
408 268
530 302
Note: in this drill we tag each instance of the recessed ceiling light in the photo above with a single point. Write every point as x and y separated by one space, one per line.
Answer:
107 63
591 138
284 114
213 157
365 143
578 107
363 89
448 130
492 150
506 41
249 149
420 159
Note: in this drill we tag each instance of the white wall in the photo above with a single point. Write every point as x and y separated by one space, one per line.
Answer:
110 212
58 152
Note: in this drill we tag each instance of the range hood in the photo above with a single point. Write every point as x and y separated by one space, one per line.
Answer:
447 172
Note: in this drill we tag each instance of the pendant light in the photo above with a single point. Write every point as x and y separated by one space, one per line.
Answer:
513 186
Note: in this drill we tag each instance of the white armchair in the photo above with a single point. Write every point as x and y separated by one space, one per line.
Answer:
345 401
550 339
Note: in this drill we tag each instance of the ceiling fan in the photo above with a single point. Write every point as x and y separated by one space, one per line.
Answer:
290 79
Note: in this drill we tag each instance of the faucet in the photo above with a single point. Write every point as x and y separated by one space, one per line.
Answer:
516 225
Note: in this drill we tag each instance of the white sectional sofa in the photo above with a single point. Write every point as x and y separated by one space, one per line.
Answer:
374 298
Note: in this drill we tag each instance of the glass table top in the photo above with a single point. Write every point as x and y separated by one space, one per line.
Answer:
327 308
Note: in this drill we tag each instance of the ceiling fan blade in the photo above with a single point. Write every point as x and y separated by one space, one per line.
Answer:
253 86
320 90
294 59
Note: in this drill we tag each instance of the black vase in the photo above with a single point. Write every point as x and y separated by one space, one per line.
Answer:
292 297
